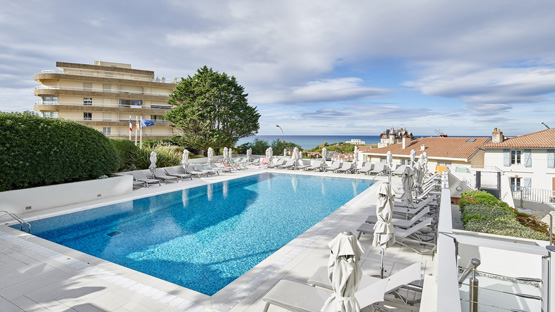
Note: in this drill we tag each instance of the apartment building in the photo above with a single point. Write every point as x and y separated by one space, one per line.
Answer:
104 96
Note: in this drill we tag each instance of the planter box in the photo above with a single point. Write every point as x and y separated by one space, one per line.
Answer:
44 197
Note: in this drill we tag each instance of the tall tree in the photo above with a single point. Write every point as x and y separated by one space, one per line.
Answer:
212 110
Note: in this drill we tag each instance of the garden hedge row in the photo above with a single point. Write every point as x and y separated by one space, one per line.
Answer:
37 151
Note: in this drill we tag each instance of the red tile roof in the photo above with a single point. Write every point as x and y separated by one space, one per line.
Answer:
436 147
540 139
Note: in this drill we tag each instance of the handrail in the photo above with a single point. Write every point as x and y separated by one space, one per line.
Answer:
18 219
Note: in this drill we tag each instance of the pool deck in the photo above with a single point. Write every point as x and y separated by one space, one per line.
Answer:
38 275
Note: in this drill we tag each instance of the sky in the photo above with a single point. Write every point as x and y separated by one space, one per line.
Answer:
313 67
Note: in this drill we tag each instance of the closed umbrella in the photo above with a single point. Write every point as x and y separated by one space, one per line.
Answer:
153 159
270 153
384 231
355 156
344 273
230 154
324 156
407 181
225 154
295 156
424 163
185 159
210 155
412 158
418 175
389 162
284 152
249 155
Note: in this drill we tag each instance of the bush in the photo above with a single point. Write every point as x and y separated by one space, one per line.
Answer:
482 212
127 151
37 151
166 156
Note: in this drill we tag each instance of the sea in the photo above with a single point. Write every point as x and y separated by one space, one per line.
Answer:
311 141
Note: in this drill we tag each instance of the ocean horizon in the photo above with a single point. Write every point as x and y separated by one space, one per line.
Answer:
311 141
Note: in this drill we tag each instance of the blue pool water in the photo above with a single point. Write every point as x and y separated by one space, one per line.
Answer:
203 238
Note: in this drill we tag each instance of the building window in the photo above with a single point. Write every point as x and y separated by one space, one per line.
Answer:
444 163
107 130
515 184
107 87
87 101
87 86
130 103
50 100
158 118
87 116
515 157
382 160
50 114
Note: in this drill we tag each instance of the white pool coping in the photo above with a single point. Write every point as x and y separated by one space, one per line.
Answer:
134 289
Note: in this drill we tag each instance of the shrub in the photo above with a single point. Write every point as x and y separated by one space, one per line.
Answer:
166 156
127 151
477 197
37 151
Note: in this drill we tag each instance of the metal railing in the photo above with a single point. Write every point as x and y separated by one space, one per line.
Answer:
534 195
18 219
102 90
152 106
103 75
475 304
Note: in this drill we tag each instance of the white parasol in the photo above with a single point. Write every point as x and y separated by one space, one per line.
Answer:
210 155
384 231
344 273
324 155
185 159
153 159
225 155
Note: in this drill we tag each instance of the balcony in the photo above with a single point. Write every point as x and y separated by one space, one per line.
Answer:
114 75
101 90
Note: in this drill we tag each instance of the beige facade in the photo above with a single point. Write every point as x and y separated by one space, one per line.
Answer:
104 96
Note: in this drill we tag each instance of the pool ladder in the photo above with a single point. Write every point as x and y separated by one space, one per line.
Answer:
18 219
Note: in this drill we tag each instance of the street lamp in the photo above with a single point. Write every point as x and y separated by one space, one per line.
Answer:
283 135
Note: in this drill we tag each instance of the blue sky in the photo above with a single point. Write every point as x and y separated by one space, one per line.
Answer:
313 67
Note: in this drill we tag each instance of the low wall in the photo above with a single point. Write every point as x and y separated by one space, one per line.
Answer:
44 197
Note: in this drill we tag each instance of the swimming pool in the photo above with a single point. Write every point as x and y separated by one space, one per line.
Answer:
205 237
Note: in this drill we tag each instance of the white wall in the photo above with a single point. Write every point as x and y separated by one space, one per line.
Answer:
44 197
542 177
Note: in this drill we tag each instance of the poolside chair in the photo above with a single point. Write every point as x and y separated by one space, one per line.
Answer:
206 168
193 172
379 168
300 165
142 177
399 170
219 167
334 166
316 165
277 163
345 167
359 166
237 165
171 171
288 164
404 236
160 174
295 296
366 168
402 222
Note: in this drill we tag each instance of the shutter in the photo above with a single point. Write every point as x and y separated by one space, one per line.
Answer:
506 158
550 158
527 158
527 185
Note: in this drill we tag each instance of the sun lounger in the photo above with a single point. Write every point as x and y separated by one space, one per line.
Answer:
316 165
300 165
378 169
192 171
219 167
277 163
142 177
295 296
237 165
403 278
171 171
334 166
288 164
400 170
207 169
402 222
345 167
366 168
402 236
160 174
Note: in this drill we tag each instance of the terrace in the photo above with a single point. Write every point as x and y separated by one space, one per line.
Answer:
38 274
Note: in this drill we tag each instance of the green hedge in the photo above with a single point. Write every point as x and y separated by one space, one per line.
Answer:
482 212
37 151
133 158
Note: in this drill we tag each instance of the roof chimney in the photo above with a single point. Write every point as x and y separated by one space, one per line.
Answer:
497 136
422 147
406 141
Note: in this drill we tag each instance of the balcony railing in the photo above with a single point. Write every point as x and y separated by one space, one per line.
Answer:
152 106
109 119
534 195
103 75
102 90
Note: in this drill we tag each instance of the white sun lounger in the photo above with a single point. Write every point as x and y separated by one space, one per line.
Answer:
316 165
378 168
401 222
171 171
345 167
366 168
403 235
334 166
295 296
141 177
160 174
